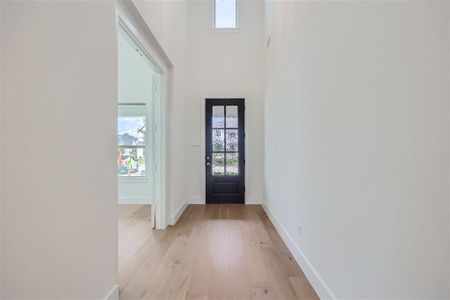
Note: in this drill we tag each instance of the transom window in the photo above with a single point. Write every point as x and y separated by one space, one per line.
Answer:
225 14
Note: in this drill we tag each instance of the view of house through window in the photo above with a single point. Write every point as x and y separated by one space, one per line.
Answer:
131 143
225 13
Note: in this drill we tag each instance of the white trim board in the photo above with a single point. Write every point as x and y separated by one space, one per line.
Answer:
200 200
254 200
135 200
195 200
179 212
311 273
113 294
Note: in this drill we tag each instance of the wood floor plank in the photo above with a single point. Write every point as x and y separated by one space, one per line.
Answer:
224 251
302 287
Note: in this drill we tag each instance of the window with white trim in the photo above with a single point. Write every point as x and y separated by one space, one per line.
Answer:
131 138
225 14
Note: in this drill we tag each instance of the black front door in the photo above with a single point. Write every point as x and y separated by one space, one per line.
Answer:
225 141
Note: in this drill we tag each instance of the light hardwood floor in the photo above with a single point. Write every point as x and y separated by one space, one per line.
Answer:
214 252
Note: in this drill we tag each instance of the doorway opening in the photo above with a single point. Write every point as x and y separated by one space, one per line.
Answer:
136 145
142 83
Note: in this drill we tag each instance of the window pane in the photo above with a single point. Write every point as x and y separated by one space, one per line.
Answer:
232 164
218 117
232 116
232 140
131 131
225 13
218 164
218 139
131 161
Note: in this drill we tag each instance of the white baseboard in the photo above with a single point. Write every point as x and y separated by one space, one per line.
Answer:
322 290
200 200
254 200
135 200
179 212
195 200
113 294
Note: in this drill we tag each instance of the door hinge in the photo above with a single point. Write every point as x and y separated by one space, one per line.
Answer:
155 127
156 167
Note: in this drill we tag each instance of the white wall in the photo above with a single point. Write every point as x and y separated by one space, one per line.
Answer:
167 20
226 64
357 143
59 106
134 73
208 64
135 80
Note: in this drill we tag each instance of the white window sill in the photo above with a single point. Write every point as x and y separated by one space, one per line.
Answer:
132 178
225 30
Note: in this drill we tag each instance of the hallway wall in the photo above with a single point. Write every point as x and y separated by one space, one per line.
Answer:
356 151
167 20
208 64
58 111
225 64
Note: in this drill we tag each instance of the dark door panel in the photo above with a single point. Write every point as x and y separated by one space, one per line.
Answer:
225 151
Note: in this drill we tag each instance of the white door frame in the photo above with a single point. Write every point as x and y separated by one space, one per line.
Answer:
129 19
